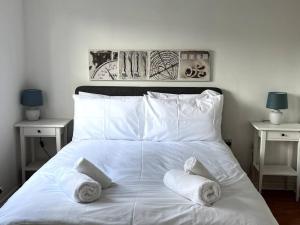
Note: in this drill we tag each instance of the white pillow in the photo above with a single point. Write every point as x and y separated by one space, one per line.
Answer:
91 95
198 119
109 118
124 118
172 96
89 117
81 93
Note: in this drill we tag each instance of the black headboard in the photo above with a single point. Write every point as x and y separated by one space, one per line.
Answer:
139 91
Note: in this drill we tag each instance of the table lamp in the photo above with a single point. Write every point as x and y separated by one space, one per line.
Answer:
32 99
275 102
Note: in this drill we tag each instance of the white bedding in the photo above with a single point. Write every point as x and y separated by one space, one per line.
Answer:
138 195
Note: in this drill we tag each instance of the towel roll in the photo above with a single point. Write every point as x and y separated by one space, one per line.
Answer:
78 186
195 167
193 187
86 167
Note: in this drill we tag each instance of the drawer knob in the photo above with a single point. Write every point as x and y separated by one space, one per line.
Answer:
283 135
39 131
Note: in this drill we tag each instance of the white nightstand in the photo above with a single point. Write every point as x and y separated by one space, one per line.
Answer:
40 128
264 131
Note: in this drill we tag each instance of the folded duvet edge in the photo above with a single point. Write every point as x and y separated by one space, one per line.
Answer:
84 166
196 188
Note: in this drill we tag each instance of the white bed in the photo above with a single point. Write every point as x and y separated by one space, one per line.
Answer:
176 128
138 196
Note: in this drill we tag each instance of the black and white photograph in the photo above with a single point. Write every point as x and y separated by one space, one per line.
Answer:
164 65
103 65
194 66
133 65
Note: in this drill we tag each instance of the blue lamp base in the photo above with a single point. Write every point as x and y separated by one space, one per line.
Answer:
32 114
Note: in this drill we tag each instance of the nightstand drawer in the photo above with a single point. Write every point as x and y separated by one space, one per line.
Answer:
283 135
39 132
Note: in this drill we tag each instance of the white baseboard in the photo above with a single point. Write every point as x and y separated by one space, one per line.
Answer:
7 196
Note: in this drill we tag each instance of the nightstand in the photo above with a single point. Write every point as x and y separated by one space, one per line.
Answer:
265 131
41 128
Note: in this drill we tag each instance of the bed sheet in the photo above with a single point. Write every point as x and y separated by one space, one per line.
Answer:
138 195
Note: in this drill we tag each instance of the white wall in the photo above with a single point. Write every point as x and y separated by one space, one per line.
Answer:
255 44
11 82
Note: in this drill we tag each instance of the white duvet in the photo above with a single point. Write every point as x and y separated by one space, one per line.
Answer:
138 196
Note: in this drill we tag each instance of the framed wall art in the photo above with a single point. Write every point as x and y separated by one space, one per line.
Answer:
194 65
145 65
133 65
103 65
164 65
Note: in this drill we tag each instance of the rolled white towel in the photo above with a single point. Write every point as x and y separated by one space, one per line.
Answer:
80 187
86 167
193 187
195 167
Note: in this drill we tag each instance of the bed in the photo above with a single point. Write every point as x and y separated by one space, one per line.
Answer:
138 195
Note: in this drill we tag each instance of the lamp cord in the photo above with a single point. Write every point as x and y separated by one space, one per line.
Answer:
43 148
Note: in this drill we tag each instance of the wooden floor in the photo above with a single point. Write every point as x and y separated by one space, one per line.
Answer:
283 206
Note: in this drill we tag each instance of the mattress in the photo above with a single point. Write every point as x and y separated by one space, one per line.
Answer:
138 195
